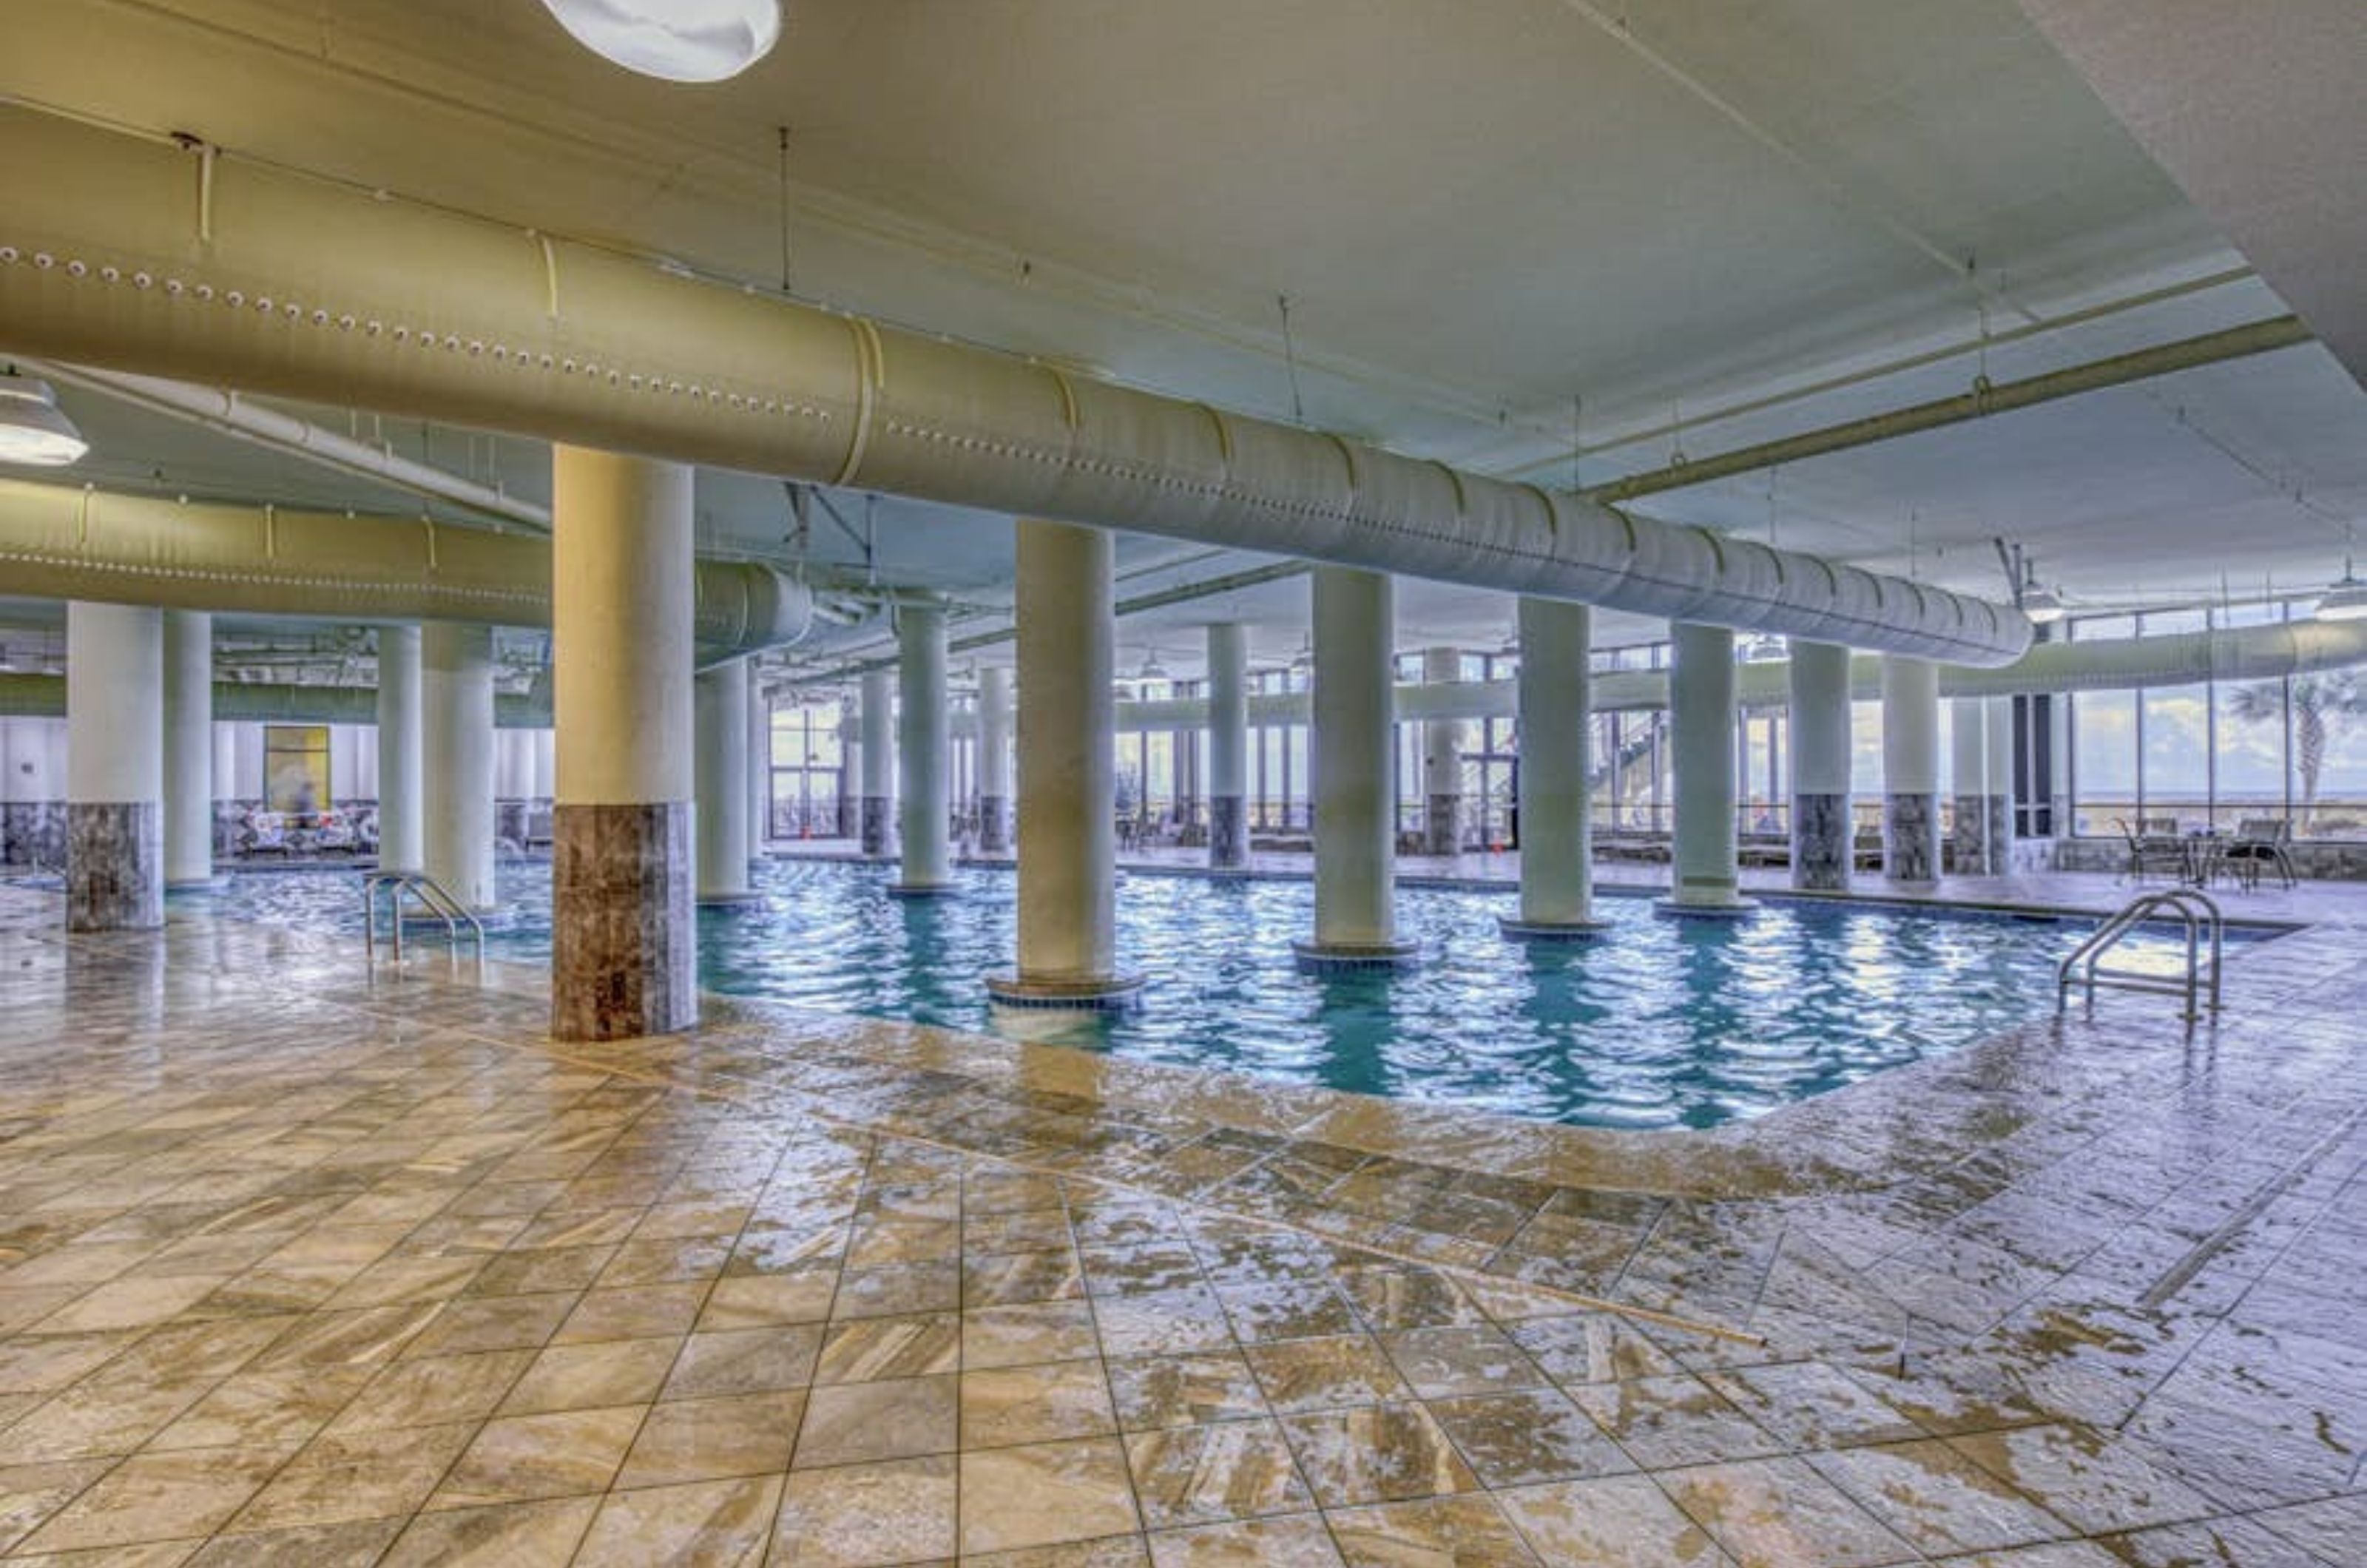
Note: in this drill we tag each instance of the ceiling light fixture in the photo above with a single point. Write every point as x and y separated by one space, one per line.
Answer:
2043 605
33 429
1151 668
677 40
2346 598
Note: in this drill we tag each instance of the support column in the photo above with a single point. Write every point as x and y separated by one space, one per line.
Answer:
1824 831
923 738
115 767
402 840
1068 776
1556 725
877 795
1354 774
1703 855
456 704
1229 747
757 754
188 748
719 700
1997 791
1441 762
624 957
995 762
1968 776
1910 770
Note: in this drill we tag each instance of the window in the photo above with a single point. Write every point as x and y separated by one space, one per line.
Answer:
296 768
804 769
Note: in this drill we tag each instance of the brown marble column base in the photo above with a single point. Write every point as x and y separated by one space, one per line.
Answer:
115 865
1228 832
624 939
994 824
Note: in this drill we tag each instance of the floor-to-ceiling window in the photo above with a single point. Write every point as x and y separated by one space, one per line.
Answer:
1278 776
805 770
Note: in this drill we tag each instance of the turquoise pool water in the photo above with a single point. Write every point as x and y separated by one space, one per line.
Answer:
1661 1024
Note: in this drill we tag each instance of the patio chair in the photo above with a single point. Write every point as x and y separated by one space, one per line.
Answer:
2151 849
2259 842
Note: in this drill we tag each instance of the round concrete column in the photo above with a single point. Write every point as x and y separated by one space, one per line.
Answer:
722 771
115 767
402 841
455 693
1068 775
1824 836
922 741
1442 761
1556 722
1700 723
878 788
1968 779
995 762
1354 774
758 753
1997 793
188 748
1910 770
1228 746
624 957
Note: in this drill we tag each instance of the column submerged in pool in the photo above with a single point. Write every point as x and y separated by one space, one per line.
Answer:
623 932
1702 852
722 772
1228 746
456 707
401 748
922 743
115 767
1556 730
1354 796
875 715
994 761
1442 761
1824 834
1066 608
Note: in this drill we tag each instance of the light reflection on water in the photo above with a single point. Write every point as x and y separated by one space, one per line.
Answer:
1658 1023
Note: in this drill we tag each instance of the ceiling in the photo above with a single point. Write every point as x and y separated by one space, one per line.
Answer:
1500 225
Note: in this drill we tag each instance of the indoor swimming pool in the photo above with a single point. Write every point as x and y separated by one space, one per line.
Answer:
1659 1023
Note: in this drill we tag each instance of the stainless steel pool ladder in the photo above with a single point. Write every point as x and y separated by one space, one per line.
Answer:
432 900
2193 910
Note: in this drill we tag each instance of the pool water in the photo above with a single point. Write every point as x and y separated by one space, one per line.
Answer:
1658 1023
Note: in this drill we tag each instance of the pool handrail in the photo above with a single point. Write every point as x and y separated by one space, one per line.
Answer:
2195 911
432 899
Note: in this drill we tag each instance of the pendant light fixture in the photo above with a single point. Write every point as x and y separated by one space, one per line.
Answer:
33 429
677 40
2346 598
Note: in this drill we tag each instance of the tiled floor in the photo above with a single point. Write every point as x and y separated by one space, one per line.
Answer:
300 1264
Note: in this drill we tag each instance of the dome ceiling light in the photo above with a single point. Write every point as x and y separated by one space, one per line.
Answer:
33 429
2346 597
677 40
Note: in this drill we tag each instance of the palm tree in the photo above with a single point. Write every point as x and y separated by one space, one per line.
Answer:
2319 702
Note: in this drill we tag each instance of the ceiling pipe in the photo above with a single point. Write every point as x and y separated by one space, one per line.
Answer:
220 409
2237 654
2186 354
114 253
259 701
61 543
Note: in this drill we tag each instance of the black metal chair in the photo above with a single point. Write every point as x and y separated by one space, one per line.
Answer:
2259 842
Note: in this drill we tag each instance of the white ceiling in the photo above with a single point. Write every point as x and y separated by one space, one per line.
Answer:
1479 210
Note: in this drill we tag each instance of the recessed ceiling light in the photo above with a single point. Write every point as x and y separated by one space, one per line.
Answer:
33 429
678 41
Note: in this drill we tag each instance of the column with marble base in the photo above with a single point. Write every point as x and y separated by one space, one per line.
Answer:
875 800
188 748
624 932
719 769
1355 775
923 741
1969 852
1997 797
115 767
455 707
995 762
1703 854
1554 695
1911 771
1229 747
1824 831
401 747
1066 607
1441 762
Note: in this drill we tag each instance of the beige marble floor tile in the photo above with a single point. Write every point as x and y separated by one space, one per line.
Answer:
1937 1499
133 1303
1044 1494
864 1516
427 1390
1009 1278
1374 1453
1318 1374
514 1535
1436 1532
863 1423
1465 1359
1180 1391
2086 1477
1223 1471
519 1459
588 1376
360 1542
865 1350
769 1301
1666 1421
31 1493
1608 1522
1018 1335
99 1415
152 1498
1034 1404
639 1312
1774 1512
744 1360
357 1475
1520 1440
707 1439
713 1524
1301 1541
